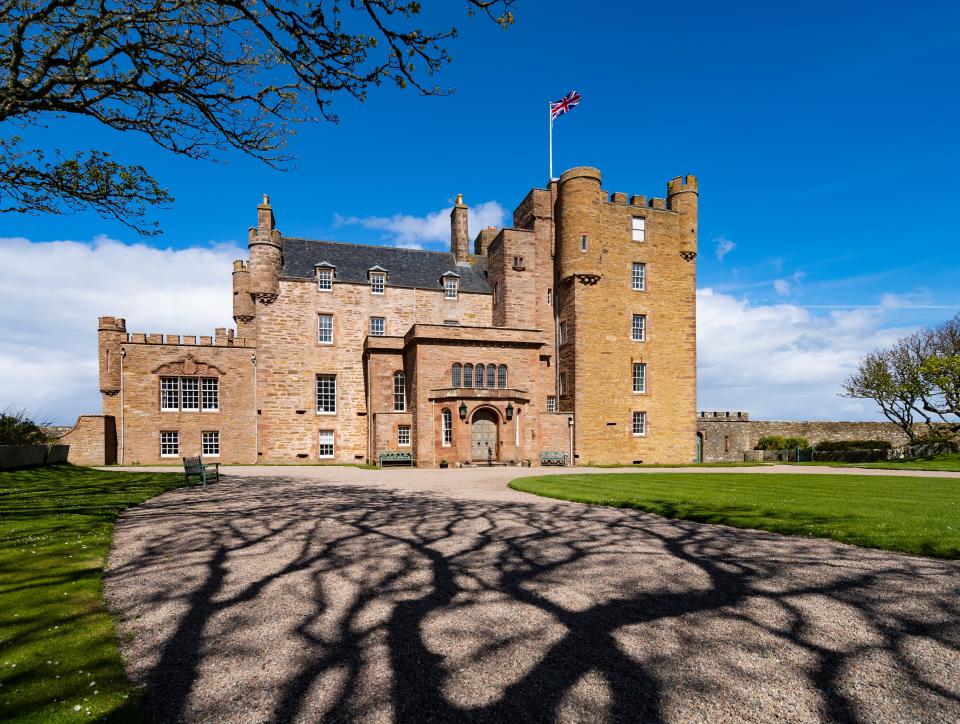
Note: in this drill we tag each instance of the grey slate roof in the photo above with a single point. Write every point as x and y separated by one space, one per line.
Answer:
405 267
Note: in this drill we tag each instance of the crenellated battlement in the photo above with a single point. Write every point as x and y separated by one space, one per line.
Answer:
221 338
682 184
111 324
724 416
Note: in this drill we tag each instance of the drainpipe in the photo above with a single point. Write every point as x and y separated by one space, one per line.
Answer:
123 353
256 418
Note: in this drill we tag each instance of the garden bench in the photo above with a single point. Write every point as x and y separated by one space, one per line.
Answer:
553 457
393 457
194 467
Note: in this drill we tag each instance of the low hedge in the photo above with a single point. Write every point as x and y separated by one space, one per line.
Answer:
843 445
779 442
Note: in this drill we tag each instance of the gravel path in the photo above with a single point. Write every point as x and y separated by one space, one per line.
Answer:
337 594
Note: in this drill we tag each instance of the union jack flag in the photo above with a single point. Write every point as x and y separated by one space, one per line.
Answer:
564 104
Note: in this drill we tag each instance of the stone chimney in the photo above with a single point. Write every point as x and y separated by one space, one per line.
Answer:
459 241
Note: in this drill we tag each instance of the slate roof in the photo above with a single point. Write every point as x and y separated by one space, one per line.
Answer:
405 267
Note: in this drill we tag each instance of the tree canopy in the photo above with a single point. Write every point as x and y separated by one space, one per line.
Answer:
196 77
916 382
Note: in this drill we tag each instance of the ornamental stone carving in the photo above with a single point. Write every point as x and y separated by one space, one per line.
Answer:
189 366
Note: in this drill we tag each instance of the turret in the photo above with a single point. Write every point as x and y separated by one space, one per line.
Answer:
459 238
579 202
244 308
265 255
682 197
111 334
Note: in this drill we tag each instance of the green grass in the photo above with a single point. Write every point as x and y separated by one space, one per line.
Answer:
908 514
948 462
750 464
58 646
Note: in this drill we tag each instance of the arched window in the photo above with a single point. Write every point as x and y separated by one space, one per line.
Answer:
468 375
502 377
447 425
478 376
455 375
399 392
491 376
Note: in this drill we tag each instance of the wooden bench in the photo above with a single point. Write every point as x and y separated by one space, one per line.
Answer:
395 457
553 457
194 467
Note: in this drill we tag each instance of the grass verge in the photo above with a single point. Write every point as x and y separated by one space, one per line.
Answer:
907 514
58 648
946 463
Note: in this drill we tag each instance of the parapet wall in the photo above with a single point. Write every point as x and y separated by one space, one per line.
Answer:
92 441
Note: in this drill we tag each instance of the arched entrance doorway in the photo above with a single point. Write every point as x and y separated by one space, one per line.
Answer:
483 435
699 448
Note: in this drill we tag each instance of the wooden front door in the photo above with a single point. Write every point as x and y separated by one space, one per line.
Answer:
484 435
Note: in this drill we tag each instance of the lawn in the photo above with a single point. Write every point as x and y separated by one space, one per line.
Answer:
909 514
58 648
948 462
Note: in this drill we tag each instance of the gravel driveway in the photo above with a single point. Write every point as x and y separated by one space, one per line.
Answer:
336 594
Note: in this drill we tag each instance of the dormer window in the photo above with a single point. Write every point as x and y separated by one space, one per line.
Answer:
378 279
451 285
325 274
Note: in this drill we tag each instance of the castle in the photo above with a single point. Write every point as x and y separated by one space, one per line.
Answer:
572 331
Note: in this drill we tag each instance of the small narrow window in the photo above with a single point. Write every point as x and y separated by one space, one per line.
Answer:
638 329
583 243
399 392
210 444
169 444
638 228
518 263
376 326
403 436
325 444
455 374
478 373
451 323
468 375
491 376
377 283
563 332
551 403
502 377
326 394
496 292
325 328
639 377
450 288
639 424
639 278
210 394
447 425
190 394
325 280
563 384
549 296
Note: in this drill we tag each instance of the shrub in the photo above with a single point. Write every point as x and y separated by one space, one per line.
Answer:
843 445
779 442
18 429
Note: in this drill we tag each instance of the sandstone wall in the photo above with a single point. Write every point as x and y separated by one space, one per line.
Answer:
92 440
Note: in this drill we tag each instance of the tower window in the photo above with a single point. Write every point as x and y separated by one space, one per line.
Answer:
638 228
551 403
639 278
399 392
518 263
583 243
549 296
563 384
325 328
639 424
638 329
377 283
639 377
563 332
376 326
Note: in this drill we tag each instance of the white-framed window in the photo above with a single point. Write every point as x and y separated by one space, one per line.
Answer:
563 332
189 394
399 392
639 424
326 394
583 243
403 436
468 375
455 374
378 282
446 418
325 444
478 373
451 285
549 296
638 328
210 444
639 378
169 393
491 375
563 383
502 377
638 228
169 444
376 326
210 394
325 328
638 279
325 280
551 403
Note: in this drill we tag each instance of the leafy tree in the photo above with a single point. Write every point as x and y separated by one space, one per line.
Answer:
16 428
196 77
916 382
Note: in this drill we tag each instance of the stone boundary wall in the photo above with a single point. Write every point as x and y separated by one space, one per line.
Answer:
92 440
31 456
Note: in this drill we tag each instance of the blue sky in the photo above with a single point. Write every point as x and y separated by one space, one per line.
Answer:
823 134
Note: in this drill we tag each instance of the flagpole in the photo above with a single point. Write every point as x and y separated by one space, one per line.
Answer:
550 113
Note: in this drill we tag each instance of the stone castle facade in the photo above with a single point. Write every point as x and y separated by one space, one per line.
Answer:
573 330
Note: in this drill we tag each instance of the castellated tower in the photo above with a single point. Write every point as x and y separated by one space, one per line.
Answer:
244 308
265 255
626 315
111 334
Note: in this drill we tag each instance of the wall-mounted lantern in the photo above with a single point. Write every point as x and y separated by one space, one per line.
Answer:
463 410
509 411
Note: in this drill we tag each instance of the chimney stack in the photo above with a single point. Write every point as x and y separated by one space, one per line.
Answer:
459 240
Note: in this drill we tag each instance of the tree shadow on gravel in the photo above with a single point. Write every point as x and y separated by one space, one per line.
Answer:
342 602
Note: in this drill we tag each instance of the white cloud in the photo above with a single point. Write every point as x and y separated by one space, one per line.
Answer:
53 293
781 287
782 361
414 231
724 247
